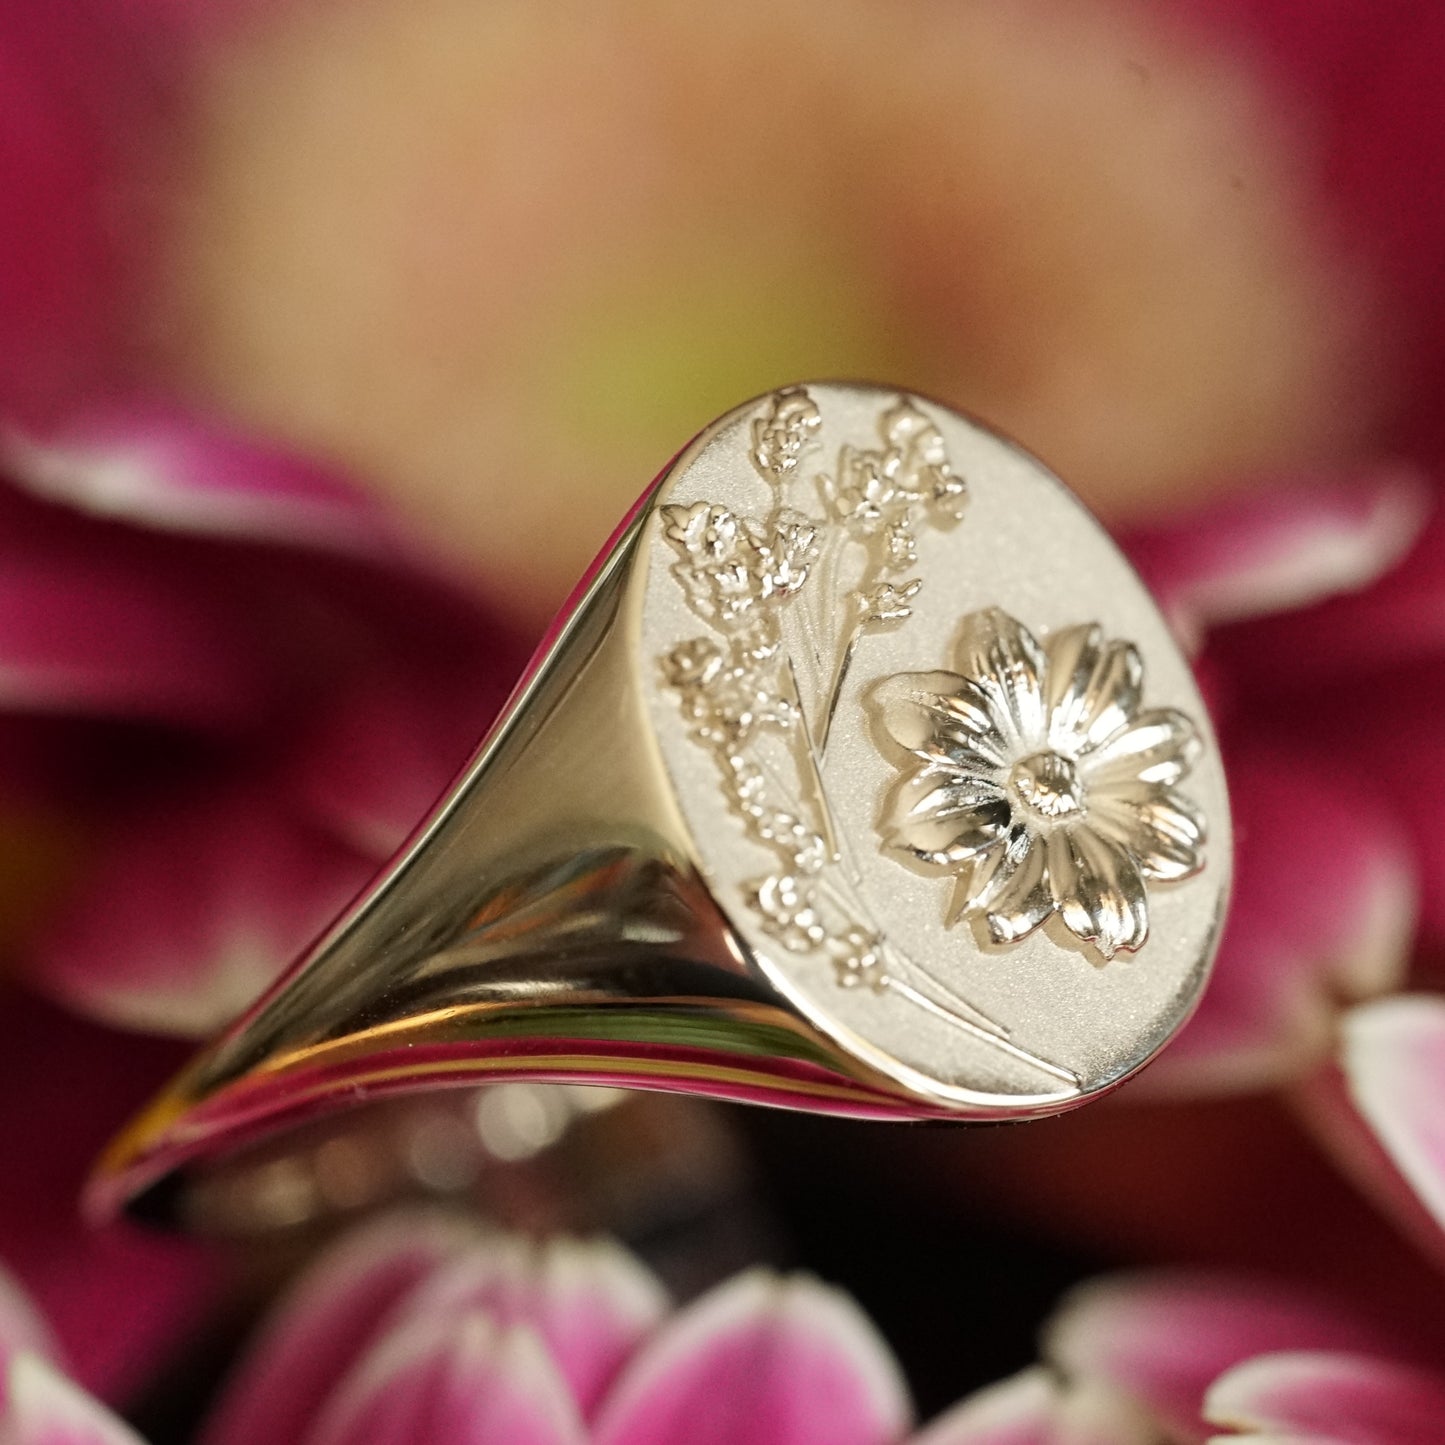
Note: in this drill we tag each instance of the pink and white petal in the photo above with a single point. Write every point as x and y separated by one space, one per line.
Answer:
591 1304
1160 1339
192 910
1394 1065
768 1360
154 466
1278 550
1329 1398
452 1382
22 1327
1323 913
1398 621
1022 1410
119 1299
1033 1408
1323 1103
1092 1413
334 1314
42 1407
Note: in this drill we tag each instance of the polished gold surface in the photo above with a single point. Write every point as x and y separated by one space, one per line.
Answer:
613 892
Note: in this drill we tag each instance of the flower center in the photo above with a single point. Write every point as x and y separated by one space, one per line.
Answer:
1047 784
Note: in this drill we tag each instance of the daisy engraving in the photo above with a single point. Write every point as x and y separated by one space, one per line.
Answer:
1039 781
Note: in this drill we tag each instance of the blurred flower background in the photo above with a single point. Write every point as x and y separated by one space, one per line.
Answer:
335 335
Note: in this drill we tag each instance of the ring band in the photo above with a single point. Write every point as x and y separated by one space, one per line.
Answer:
860 776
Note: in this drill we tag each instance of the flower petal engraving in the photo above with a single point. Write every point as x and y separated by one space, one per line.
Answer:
1033 776
992 879
944 825
784 434
1021 901
1159 826
1108 904
1160 747
942 715
1004 662
1093 689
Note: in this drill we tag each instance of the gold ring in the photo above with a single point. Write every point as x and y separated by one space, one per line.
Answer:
860 776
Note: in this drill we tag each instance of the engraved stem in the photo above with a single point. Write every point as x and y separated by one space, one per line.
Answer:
983 1035
835 689
813 763
854 903
825 580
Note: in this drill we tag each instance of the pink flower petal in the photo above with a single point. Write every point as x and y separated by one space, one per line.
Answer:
21 1325
118 1299
1161 1339
450 1382
42 1407
338 1310
1034 1409
380 753
1406 736
76 87
1394 1063
1277 550
1330 1399
427 674
1017 1411
767 1360
192 910
1365 81
1400 619
591 1304
163 469
91 631
1323 1102
112 605
1323 912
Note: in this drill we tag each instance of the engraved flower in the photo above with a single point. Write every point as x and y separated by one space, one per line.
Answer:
923 464
725 700
693 664
789 912
868 496
889 602
787 431
857 955
876 491
729 564
1038 781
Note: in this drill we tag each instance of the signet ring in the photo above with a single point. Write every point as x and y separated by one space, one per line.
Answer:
861 775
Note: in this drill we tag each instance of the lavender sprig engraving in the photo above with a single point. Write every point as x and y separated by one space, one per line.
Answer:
740 687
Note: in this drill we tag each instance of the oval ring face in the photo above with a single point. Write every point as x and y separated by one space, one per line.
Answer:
944 768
